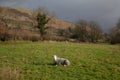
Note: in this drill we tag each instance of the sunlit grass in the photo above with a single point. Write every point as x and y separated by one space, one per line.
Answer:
33 61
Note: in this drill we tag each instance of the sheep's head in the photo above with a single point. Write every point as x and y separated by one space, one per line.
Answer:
55 57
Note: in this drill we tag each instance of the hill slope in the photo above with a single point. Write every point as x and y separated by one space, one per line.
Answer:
22 18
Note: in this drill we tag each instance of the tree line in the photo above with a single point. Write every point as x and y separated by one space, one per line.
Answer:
83 31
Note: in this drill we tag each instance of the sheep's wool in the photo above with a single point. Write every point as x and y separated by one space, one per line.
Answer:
61 61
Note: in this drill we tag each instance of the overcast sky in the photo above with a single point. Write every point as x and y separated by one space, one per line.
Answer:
105 12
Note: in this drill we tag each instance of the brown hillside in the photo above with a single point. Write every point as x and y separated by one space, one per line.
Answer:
22 18
59 24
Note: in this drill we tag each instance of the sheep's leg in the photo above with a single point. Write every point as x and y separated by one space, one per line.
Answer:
64 65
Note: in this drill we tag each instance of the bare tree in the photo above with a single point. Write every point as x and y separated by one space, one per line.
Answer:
94 31
115 33
80 30
3 28
3 33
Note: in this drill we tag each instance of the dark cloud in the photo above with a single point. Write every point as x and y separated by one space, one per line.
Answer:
105 12
4 1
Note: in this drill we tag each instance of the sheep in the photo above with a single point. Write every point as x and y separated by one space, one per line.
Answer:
61 61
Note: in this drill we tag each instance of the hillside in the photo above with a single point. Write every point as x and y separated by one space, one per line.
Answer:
22 18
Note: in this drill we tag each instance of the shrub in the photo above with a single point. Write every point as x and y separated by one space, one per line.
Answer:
3 33
115 35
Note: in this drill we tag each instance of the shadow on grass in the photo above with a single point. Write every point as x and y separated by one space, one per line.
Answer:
43 64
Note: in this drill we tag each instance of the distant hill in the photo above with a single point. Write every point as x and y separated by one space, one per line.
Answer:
22 18
16 17
20 25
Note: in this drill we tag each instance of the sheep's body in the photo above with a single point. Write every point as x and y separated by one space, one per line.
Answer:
61 61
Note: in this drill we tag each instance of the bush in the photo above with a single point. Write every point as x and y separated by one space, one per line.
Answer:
17 34
3 33
115 36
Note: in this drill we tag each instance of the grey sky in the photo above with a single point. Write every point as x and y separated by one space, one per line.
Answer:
105 12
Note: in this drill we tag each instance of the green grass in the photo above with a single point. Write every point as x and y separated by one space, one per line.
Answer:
34 61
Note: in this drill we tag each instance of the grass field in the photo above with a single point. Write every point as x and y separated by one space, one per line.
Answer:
34 61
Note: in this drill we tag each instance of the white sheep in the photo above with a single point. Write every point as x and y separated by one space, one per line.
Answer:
61 61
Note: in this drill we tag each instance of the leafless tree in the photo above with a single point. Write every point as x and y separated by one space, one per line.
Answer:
115 34
94 32
80 30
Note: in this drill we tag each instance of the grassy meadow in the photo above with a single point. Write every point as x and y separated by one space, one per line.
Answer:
34 61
